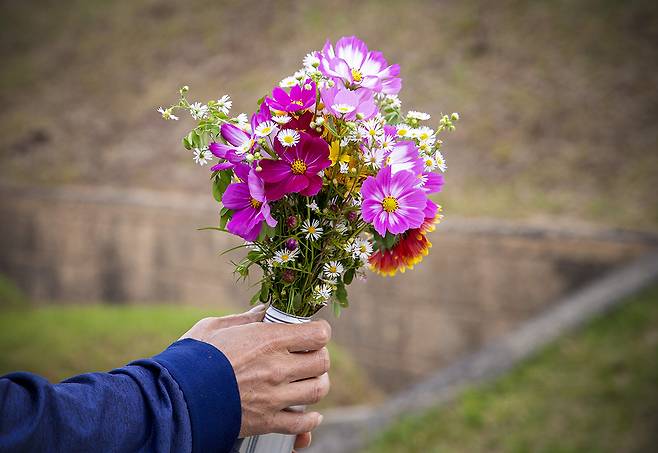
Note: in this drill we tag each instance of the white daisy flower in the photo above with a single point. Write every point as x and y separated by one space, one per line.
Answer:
224 104
440 161
288 137
356 199
245 147
371 129
429 162
202 156
422 116
333 269
344 167
312 229
300 75
362 249
404 131
311 61
373 157
266 128
241 120
425 147
422 180
394 100
340 228
166 114
313 206
343 109
198 111
281 119
387 142
284 256
323 292
288 82
425 134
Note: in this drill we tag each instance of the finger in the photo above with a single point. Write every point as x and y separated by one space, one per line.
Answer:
286 422
303 440
308 391
254 315
304 365
310 336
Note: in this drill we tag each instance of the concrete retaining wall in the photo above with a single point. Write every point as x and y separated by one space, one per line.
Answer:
481 279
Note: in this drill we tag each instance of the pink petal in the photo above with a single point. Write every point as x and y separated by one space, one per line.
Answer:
274 170
236 196
233 134
314 186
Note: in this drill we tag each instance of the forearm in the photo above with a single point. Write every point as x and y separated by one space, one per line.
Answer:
138 407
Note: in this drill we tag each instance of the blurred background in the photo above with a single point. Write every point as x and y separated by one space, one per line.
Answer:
551 183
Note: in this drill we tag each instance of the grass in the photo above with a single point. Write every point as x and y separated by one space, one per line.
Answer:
557 98
58 342
592 391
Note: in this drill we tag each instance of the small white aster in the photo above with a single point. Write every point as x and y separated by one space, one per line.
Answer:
341 227
394 100
404 130
245 147
343 109
312 229
224 104
241 120
333 269
166 114
281 119
313 206
425 134
202 156
429 162
362 249
323 292
344 167
373 157
440 161
288 82
387 142
288 137
422 116
284 256
311 61
198 111
371 129
425 147
266 128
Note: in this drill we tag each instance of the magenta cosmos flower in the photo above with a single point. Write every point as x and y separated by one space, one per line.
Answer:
392 202
345 103
298 168
352 62
238 142
248 201
300 98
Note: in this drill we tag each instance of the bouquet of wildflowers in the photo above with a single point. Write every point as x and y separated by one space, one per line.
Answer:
327 178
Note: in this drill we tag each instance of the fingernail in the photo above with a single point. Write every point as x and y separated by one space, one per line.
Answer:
320 418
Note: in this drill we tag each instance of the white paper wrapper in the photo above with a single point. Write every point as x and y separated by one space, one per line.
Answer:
273 443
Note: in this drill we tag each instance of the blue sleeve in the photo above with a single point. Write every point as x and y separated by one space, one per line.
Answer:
184 399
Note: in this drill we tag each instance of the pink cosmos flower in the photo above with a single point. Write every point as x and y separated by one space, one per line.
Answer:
392 202
404 157
352 62
345 103
298 168
300 98
248 201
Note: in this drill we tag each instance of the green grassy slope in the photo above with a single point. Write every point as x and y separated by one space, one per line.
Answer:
58 342
558 98
592 391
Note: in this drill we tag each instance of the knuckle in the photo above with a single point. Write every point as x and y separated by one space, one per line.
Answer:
324 331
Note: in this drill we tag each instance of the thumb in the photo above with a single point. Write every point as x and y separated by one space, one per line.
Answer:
256 314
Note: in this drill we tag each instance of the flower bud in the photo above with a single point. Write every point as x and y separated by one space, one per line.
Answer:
249 157
258 155
184 89
331 83
288 275
312 124
319 120
259 168
291 221
352 216
454 116
291 244
359 116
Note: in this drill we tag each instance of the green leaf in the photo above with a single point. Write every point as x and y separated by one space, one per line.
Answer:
335 306
349 276
389 240
224 217
265 291
186 143
255 298
219 184
254 255
341 294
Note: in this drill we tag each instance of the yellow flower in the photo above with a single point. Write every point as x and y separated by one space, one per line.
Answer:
335 155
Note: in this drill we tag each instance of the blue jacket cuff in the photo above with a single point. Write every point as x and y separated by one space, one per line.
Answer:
211 392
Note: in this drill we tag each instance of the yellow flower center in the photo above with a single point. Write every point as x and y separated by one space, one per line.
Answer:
429 162
285 257
289 139
390 204
312 230
255 203
298 167
298 102
356 75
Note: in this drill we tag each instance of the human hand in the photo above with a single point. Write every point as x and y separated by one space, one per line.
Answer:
276 366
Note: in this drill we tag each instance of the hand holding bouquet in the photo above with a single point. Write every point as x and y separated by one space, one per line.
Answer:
326 178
